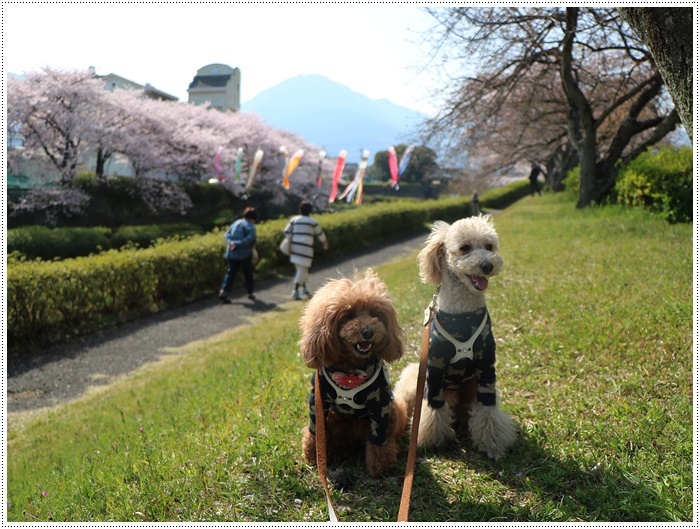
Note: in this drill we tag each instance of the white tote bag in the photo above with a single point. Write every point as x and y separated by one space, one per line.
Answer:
286 245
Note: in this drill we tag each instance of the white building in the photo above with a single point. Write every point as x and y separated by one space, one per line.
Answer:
218 85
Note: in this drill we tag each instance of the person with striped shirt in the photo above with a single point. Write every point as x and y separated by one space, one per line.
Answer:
302 229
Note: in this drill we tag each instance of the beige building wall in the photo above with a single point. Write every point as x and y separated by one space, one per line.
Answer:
113 81
218 85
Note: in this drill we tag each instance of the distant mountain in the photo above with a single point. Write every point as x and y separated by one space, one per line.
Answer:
334 117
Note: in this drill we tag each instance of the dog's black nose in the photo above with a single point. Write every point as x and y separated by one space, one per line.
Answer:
367 333
486 267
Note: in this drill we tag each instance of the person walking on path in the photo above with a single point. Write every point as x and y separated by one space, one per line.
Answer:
476 207
302 230
534 173
240 239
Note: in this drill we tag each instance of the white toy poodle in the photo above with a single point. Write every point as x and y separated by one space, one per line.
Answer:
461 379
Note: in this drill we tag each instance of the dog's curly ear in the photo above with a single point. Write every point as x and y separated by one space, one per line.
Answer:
430 257
375 293
311 341
396 336
320 340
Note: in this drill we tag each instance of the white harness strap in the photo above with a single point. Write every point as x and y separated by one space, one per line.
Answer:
347 396
463 349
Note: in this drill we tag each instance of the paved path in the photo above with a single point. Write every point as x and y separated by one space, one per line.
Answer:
63 373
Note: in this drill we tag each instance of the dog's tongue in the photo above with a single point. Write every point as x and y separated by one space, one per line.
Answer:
481 282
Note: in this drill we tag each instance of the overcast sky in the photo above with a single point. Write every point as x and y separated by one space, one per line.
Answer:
372 49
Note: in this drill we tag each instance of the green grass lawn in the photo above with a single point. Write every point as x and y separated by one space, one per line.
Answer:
593 316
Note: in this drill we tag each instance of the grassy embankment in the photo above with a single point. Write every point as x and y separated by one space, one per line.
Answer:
593 317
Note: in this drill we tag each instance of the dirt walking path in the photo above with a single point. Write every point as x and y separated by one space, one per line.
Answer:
65 372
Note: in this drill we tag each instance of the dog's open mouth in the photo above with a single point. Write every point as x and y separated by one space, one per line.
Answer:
480 283
363 347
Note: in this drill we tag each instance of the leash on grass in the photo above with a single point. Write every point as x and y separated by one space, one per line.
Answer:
420 387
321 461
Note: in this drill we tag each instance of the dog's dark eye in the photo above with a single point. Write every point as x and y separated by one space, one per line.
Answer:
489 247
345 318
466 248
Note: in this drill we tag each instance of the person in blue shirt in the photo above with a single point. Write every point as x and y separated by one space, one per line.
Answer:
240 239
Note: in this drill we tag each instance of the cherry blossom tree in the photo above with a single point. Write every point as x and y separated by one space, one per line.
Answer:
51 203
64 116
179 141
561 85
53 113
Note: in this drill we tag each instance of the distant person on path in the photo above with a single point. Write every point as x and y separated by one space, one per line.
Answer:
476 207
534 173
302 230
240 244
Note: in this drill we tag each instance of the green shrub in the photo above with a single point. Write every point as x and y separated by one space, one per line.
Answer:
51 301
502 197
224 216
85 180
63 243
112 202
145 235
572 182
661 182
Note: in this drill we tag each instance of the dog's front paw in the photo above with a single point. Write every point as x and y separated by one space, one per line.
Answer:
435 425
308 447
492 431
380 459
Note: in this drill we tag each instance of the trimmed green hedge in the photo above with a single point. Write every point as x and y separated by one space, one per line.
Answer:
145 235
50 301
41 242
502 197
54 300
50 243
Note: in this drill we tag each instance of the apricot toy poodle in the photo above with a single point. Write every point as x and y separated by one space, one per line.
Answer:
349 329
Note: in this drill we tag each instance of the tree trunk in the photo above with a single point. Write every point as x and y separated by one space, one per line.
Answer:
68 164
581 120
588 178
558 164
668 33
102 157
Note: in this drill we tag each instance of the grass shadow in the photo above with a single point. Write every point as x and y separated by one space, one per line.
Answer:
536 485
358 497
